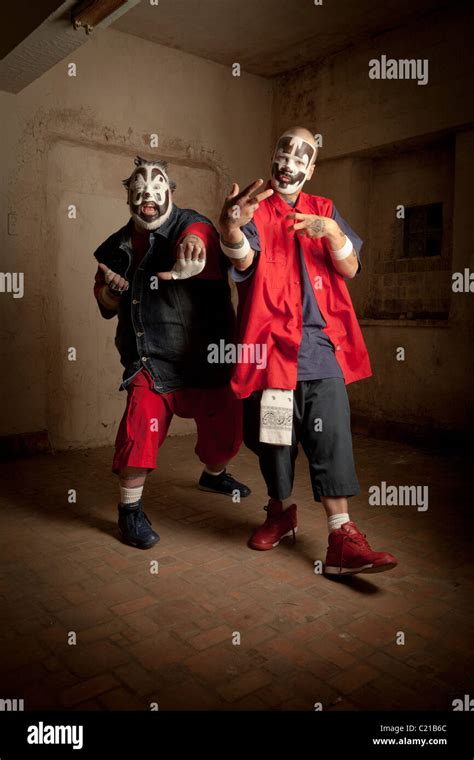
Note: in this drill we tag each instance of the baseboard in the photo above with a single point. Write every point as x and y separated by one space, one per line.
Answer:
405 432
28 444
24 444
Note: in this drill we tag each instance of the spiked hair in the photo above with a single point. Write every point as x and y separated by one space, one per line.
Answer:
163 165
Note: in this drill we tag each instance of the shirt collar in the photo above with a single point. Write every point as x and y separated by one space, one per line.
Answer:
283 208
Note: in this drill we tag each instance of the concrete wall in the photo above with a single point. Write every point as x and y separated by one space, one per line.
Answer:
71 140
389 142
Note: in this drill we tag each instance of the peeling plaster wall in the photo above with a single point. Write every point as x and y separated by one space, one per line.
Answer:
70 140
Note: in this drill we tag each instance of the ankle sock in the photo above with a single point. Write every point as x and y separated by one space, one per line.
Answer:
214 474
335 521
130 495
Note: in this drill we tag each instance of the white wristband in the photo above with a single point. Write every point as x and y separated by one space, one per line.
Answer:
344 252
236 253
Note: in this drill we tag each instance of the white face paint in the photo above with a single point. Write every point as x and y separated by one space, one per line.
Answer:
149 194
291 163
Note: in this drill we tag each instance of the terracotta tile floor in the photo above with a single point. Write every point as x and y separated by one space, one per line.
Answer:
170 637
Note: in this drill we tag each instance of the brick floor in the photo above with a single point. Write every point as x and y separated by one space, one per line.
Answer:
170 637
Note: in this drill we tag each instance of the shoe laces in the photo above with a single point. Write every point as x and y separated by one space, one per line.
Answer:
140 518
270 517
226 476
358 538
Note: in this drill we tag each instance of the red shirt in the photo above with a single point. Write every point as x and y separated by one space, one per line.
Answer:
270 308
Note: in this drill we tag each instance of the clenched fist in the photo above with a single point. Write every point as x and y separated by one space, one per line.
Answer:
114 281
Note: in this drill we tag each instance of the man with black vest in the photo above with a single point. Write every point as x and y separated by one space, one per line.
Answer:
165 278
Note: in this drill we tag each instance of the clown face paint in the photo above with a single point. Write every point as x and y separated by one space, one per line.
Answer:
149 193
291 163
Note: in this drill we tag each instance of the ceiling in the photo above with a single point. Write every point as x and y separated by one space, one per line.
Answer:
267 37
22 18
36 34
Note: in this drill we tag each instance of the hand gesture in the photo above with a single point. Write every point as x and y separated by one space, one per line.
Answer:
240 206
312 225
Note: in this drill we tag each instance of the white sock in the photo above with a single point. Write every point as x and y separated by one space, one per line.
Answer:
215 474
130 495
335 521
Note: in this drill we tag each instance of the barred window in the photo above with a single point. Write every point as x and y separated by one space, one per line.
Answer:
423 231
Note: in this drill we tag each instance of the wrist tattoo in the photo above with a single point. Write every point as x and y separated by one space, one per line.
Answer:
234 246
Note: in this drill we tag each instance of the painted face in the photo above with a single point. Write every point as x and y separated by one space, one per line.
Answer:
149 194
291 163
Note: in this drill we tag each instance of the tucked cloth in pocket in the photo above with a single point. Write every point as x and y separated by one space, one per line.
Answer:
276 416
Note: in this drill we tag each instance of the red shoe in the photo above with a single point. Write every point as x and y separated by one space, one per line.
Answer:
349 553
279 523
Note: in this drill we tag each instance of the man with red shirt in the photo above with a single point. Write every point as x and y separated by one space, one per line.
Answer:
292 253
165 278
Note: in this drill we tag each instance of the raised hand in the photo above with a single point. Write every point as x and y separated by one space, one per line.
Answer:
240 206
190 260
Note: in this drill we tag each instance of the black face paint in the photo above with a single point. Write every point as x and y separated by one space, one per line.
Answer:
286 179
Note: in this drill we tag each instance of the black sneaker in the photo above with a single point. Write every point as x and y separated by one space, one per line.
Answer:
223 483
135 527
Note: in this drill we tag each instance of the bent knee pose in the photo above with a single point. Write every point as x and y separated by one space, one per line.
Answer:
291 253
165 278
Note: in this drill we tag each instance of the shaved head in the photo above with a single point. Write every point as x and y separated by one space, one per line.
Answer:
293 160
305 135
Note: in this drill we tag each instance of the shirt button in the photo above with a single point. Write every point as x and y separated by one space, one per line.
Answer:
338 348
139 334
144 358
135 301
